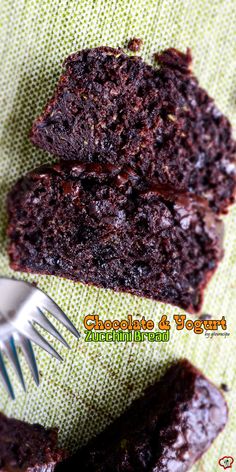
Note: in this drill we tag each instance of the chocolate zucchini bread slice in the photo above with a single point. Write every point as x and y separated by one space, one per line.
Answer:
98 225
167 430
111 108
27 447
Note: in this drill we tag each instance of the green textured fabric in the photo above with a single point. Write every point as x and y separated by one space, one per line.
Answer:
97 381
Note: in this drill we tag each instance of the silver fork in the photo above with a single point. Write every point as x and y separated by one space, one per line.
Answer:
22 305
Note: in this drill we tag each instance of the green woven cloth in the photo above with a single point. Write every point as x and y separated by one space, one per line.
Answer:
97 381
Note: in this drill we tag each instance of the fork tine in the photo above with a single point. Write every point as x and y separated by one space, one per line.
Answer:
56 311
11 352
5 378
40 318
28 352
36 337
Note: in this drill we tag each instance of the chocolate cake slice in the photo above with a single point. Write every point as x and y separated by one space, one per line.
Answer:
98 225
28 447
167 430
111 108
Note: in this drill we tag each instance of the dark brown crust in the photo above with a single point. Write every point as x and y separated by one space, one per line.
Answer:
175 59
99 225
28 447
167 430
109 107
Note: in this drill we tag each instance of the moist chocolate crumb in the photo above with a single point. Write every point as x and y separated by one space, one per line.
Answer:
166 430
205 316
135 44
28 447
112 108
224 387
100 225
